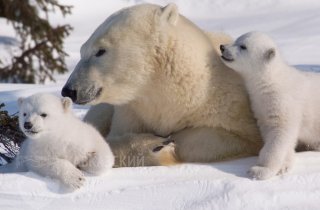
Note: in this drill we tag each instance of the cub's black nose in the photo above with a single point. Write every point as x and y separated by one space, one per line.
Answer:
68 92
27 125
222 48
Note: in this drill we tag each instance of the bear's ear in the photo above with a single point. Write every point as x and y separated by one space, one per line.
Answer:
66 103
270 54
170 14
20 101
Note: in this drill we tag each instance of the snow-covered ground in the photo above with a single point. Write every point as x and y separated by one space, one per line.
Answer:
295 26
189 186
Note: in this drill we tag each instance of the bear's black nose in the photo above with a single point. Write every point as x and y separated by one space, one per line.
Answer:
27 125
68 92
222 48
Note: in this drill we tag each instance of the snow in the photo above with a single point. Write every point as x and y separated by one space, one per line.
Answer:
8 48
294 25
189 186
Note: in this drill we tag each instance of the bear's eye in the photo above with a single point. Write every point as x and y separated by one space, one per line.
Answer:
243 47
100 52
24 114
44 115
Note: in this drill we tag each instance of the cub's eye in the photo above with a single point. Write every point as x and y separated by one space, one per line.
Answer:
24 114
100 52
243 47
44 115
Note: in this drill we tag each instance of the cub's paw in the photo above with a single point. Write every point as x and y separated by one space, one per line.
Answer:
74 180
165 153
261 173
286 167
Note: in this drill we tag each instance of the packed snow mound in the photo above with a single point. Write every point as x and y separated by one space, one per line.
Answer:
189 186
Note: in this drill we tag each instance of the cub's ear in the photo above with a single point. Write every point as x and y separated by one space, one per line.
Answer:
270 54
66 103
170 14
20 101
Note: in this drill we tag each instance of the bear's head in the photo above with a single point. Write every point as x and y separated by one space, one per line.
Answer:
117 61
250 53
42 113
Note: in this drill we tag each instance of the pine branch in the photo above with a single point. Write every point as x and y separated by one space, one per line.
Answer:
41 44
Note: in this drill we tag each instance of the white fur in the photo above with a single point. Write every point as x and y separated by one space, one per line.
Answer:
284 101
59 145
161 75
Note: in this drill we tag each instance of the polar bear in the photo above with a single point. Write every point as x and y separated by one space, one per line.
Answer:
153 76
58 144
282 98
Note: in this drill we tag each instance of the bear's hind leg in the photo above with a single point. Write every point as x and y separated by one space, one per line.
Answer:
165 153
133 150
97 162
211 144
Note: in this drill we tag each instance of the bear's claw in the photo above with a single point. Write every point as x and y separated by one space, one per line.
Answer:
168 142
158 148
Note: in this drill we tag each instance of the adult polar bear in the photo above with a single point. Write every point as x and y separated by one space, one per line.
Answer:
151 73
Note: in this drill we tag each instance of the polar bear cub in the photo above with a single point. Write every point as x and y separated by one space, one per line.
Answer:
58 144
283 99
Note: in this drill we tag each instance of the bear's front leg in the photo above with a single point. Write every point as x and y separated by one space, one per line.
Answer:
276 156
60 169
100 116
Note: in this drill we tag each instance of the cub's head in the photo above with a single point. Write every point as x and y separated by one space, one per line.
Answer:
42 113
117 61
249 53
